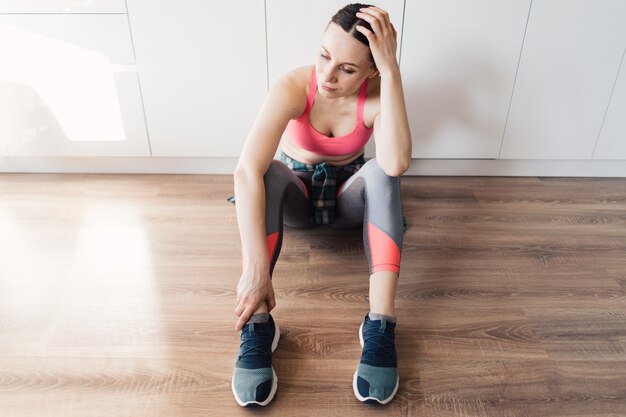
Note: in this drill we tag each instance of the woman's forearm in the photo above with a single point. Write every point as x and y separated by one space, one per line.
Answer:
250 205
393 139
254 290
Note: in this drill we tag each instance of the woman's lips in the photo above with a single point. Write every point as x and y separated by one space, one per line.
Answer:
328 88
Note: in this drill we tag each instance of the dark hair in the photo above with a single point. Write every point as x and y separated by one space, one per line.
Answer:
346 18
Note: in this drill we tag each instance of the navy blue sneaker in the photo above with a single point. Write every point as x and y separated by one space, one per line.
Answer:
376 378
254 380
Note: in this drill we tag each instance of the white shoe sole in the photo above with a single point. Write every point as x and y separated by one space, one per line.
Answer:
354 379
274 378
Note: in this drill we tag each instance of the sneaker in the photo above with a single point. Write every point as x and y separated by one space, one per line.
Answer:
254 380
376 378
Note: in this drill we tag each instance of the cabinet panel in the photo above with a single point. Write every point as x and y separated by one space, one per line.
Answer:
572 52
202 67
612 140
62 6
82 35
458 63
61 94
82 112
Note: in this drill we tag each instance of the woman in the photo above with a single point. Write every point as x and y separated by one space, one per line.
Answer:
322 178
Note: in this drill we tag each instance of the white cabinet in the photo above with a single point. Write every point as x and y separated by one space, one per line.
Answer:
568 67
483 79
458 66
62 6
612 140
63 91
203 72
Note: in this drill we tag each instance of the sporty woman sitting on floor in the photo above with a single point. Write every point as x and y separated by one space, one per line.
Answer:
322 178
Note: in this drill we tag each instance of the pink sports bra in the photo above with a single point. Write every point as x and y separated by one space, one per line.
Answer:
300 131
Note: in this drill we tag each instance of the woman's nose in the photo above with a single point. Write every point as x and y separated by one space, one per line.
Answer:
328 75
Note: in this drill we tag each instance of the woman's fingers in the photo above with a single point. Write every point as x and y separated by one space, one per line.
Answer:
239 308
243 318
271 299
380 12
365 31
376 29
382 36
377 18
374 23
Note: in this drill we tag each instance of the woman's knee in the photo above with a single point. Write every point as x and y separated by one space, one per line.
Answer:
275 180
276 169
375 175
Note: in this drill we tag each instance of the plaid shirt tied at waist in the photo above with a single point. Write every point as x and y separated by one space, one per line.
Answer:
323 184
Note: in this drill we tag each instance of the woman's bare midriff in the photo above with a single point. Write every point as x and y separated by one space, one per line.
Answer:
307 157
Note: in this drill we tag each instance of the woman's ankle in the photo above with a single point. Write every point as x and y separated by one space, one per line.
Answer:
382 293
389 312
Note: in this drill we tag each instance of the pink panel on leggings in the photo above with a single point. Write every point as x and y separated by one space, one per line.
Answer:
383 250
271 244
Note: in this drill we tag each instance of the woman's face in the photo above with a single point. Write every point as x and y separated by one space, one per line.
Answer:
342 63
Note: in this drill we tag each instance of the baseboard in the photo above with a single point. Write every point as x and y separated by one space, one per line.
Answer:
419 167
518 168
119 165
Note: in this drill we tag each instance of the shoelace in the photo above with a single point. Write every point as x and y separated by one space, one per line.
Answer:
255 341
373 338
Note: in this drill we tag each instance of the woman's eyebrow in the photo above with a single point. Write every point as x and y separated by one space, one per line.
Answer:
346 63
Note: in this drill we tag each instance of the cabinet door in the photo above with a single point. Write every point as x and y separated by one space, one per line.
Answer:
612 141
85 112
62 91
62 6
202 67
571 56
458 63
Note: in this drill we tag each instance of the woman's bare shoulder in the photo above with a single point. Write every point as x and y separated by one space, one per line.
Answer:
295 85
297 78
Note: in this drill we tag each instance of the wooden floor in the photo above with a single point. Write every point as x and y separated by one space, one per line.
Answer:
117 296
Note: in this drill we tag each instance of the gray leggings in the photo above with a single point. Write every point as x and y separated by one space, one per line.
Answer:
368 198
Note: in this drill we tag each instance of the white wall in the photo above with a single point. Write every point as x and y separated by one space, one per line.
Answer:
492 88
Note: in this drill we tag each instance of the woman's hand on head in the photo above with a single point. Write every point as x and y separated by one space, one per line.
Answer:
383 39
252 290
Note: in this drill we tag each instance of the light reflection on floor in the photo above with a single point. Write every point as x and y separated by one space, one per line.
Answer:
102 291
